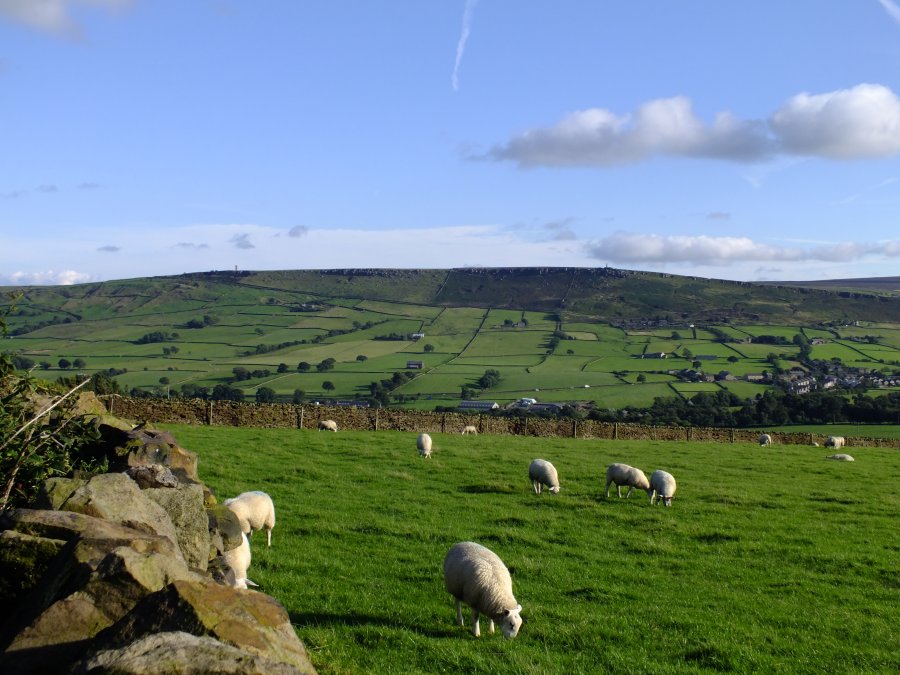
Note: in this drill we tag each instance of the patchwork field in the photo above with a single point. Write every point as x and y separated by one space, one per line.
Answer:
192 336
759 565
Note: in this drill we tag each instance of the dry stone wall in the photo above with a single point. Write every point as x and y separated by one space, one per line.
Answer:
291 416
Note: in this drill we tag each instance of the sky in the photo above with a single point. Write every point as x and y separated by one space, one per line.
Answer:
754 141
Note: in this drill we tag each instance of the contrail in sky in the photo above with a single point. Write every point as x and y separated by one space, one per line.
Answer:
891 8
461 45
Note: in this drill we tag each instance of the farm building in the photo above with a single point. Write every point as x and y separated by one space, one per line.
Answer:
415 365
478 405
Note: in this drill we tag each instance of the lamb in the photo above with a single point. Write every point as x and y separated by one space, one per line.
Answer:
255 511
662 487
476 576
622 474
423 443
541 472
238 561
327 425
469 430
836 442
765 439
841 457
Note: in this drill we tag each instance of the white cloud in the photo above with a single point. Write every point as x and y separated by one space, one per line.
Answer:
109 249
298 231
190 245
53 16
625 247
463 38
45 278
718 215
846 124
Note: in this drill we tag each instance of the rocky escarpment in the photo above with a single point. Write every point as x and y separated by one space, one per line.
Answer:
123 572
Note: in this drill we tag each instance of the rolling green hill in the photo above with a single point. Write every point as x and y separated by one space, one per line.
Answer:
574 334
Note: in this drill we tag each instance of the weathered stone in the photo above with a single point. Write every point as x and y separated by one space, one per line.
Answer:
68 526
88 403
23 561
143 445
55 491
224 526
152 476
183 653
184 506
248 620
116 498
61 632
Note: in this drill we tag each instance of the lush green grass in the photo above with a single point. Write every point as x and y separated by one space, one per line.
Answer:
759 566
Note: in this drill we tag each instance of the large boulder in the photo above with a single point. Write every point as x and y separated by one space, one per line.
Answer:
143 445
62 632
116 498
55 491
184 506
180 652
250 621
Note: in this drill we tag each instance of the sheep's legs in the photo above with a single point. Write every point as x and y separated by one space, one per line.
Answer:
628 494
608 483
459 619
269 536
491 627
476 629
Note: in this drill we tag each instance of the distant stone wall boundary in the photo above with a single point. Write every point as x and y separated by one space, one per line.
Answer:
295 416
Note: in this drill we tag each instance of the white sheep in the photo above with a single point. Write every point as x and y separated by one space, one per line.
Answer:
841 457
662 487
836 442
476 576
423 443
623 474
327 425
765 439
469 429
238 561
254 511
541 472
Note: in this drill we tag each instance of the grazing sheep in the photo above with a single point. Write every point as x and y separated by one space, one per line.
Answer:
541 472
469 430
238 561
327 425
662 487
423 443
255 511
765 439
841 457
476 576
622 474
836 442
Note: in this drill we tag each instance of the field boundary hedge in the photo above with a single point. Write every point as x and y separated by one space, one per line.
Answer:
296 416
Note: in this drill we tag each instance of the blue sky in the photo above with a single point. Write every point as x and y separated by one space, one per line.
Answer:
752 141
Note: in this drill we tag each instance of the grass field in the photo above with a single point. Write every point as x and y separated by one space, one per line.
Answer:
261 321
759 566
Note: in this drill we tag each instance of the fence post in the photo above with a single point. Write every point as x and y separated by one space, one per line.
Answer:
690 433
615 431
732 434
301 418
209 414
525 427
376 419
444 423
574 429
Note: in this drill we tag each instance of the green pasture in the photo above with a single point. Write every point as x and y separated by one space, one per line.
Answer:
454 320
420 312
746 390
792 570
501 343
